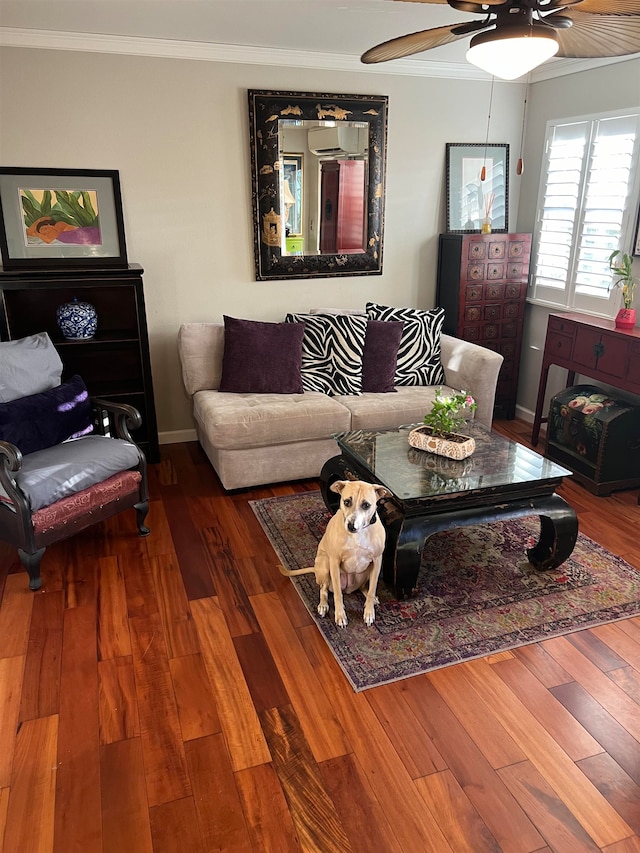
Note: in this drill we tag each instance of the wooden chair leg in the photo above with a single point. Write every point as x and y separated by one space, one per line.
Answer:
142 509
31 562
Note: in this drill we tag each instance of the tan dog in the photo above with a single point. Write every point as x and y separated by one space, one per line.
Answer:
349 554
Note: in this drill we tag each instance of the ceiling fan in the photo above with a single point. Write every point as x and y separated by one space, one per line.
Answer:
516 36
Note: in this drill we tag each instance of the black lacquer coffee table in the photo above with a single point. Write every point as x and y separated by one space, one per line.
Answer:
502 479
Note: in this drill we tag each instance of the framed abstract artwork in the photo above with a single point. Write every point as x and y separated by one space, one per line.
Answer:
60 218
477 186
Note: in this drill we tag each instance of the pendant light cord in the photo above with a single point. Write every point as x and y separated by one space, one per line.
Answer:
483 174
520 165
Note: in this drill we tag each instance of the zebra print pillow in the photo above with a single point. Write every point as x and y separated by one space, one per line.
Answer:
419 353
332 349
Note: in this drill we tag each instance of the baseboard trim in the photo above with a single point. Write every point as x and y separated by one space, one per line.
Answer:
177 436
525 414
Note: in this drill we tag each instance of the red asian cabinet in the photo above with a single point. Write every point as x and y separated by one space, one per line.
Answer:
482 286
342 206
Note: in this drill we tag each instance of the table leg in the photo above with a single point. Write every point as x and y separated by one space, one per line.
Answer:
558 534
334 469
402 556
407 537
537 418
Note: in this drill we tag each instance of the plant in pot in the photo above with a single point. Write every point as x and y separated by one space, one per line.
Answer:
439 434
620 264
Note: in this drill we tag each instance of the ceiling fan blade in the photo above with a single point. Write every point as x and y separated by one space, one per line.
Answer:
593 7
471 27
414 43
475 8
559 4
479 3
610 7
558 21
594 36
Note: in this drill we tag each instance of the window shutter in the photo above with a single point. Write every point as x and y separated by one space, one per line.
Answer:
588 180
565 163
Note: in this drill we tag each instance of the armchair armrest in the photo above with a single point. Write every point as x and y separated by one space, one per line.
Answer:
10 457
10 464
115 418
474 369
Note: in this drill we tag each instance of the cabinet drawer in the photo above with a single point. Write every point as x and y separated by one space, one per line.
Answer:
472 313
558 324
633 368
511 310
474 293
607 353
559 345
492 312
495 291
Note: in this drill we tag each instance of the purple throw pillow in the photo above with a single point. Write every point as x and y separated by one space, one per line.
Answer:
262 358
42 420
380 355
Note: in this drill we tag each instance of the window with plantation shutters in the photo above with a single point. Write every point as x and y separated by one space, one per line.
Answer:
586 210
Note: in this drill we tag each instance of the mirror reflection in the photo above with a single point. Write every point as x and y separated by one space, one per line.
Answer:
318 165
324 176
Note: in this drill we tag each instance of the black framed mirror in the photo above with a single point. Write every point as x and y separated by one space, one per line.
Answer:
317 171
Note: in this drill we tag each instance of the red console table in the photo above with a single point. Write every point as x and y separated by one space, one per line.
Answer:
590 346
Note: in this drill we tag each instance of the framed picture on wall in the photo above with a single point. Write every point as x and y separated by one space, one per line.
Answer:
60 218
477 186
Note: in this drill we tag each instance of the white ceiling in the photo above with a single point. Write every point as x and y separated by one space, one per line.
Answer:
329 26
333 28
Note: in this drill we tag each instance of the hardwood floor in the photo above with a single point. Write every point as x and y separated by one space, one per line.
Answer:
172 694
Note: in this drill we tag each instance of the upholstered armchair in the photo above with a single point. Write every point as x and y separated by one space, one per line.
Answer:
67 461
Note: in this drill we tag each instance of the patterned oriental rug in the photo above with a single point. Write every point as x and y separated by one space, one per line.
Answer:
477 594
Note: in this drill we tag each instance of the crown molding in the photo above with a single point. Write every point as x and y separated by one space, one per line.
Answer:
562 67
242 54
249 55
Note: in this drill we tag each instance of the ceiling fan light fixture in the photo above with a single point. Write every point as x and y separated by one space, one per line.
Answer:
512 51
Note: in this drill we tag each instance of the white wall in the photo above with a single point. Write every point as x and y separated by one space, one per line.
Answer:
177 130
610 87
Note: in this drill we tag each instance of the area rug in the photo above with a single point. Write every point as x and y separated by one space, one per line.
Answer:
477 594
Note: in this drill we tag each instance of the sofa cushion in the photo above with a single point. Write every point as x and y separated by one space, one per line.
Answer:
42 420
89 500
237 421
419 353
201 348
65 469
332 350
408 405
380 356
262 358
27 366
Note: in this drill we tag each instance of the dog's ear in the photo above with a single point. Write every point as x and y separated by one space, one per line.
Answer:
338 486
381 492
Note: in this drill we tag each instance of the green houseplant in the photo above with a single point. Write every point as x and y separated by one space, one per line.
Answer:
446 415
438 435
620 264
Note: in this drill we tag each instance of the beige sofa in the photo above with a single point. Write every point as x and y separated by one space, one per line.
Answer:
252 439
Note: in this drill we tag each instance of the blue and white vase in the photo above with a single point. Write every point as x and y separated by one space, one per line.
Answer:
78 321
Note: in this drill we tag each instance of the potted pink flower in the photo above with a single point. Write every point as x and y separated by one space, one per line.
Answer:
439 434
446 415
